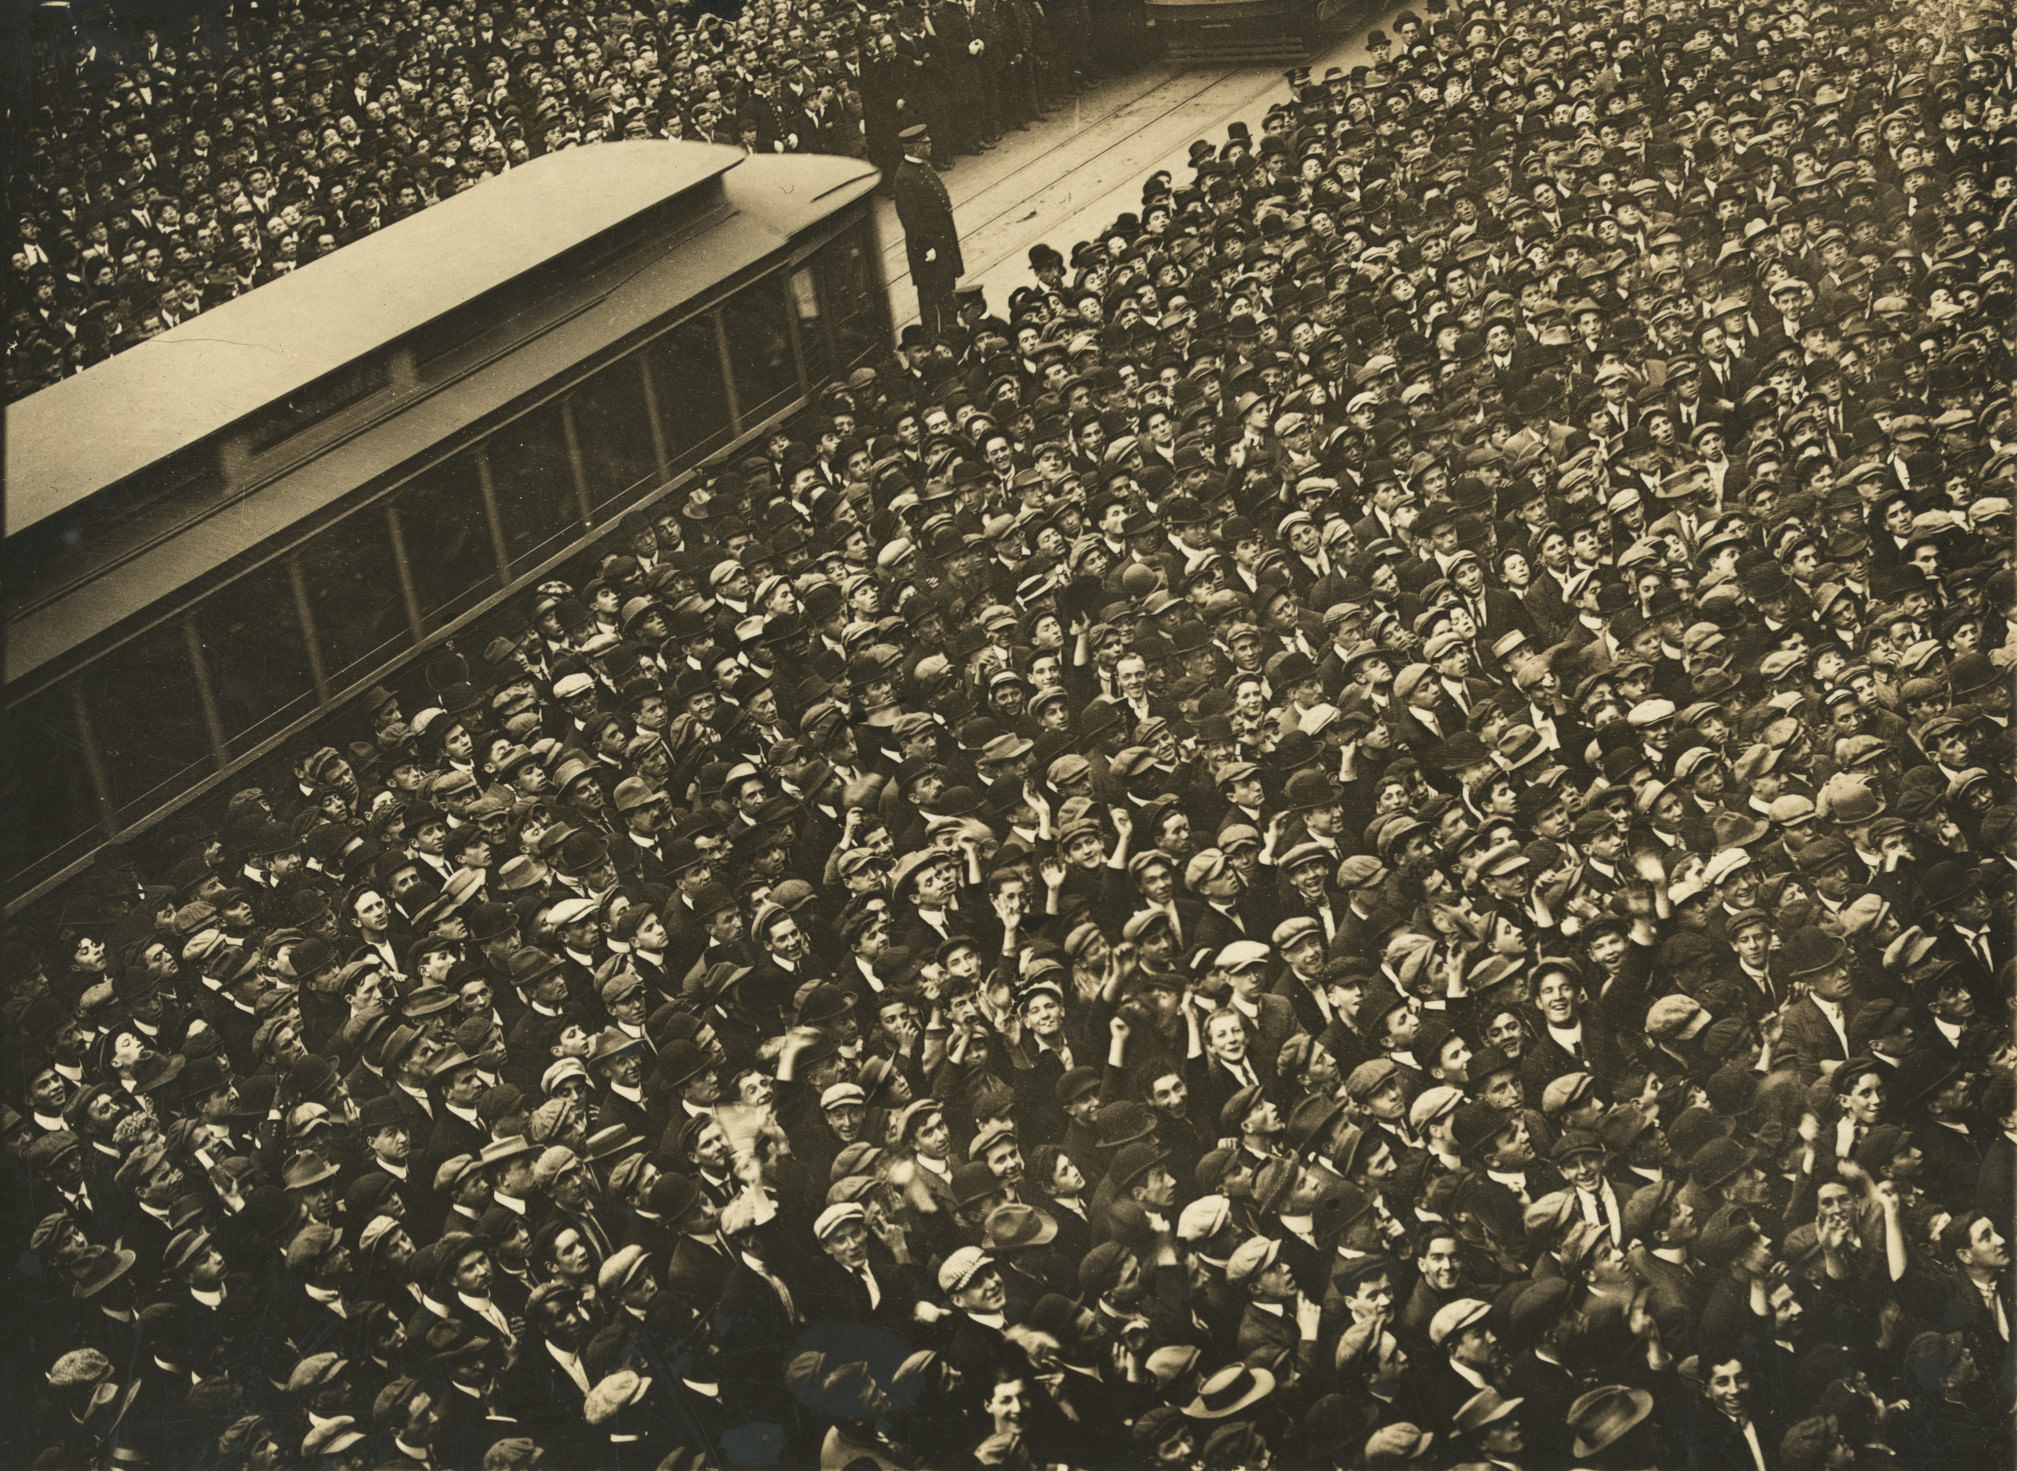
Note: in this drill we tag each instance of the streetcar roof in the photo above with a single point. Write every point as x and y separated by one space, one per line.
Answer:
92 430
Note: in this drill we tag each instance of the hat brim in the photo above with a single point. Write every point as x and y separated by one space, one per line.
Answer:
1161 1155
1047 1230
1308 1133
1642 1406
1264 1384
121 1262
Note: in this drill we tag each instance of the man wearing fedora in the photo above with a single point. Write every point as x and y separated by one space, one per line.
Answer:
1368 827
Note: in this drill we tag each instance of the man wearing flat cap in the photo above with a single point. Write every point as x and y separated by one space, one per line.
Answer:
1429 611
327 1314
1277 1317
1464 1358
857 1280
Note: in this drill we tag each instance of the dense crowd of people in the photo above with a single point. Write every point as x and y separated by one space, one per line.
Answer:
1372 829
158 175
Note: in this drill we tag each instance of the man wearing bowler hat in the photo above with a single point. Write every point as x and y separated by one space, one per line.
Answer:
1369 828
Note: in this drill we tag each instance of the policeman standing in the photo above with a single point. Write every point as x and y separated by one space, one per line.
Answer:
929 235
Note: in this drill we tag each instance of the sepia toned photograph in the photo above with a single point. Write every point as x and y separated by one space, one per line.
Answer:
1076 735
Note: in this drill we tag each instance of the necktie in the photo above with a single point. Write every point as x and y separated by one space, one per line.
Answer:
1603 1211
874 1292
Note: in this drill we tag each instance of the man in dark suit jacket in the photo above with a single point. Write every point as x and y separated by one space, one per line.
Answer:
758 1313
963 93
1466 1355
1728 1431
549 1383
1815 1030
700 1258
930 238
456 1129
1269 1019
1931 1086
1658 1240
855 1281
1270 1319
617 1059
1979 1303
1229 1064
974 1334
1566 1042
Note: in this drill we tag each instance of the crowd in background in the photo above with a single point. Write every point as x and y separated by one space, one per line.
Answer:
156 174
1372 826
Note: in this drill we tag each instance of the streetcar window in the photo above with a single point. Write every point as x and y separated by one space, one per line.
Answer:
534 477
256 654
68 548
612 424
847 293
447 538
147 719
692 398
759 349
46 787
353 593
805 305
313 406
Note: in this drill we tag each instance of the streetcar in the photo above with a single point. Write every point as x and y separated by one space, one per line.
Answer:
216 537
1248 32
